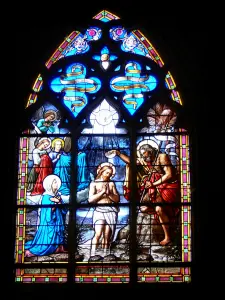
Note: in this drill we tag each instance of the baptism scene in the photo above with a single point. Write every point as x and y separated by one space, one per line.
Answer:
104 230
100 226
103 195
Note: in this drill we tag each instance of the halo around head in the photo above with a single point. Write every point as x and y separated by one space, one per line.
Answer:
108 164
48 139
58 140
147 142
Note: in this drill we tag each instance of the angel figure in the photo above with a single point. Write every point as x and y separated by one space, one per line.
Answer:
46 121
160 119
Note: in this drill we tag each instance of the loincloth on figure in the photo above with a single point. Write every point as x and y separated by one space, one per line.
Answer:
107 213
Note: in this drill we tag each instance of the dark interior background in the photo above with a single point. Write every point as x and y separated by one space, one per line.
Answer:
181 36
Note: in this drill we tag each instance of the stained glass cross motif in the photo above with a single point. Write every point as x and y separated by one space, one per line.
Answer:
74 84
133 85
105 58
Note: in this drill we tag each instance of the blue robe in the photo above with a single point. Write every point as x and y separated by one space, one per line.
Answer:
63 170
83 176
43 128
50 233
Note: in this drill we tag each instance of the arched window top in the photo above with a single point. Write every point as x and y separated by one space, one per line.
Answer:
134 68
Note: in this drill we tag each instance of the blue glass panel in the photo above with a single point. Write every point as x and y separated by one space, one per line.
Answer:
105 58
74 84
105 20
96 57
113 57
134 85
105 50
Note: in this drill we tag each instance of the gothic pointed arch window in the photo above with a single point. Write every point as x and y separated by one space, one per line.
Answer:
103 192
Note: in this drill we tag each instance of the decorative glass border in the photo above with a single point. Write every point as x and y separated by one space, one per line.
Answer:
185 198
22 170
121 278
151 50
105 16
185 169
40 278
184 276
68 40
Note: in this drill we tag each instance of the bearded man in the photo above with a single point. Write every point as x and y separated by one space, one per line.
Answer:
158 186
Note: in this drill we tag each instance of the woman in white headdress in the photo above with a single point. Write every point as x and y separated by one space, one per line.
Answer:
49 237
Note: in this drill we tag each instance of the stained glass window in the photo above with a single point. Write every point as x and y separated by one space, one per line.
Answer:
103 192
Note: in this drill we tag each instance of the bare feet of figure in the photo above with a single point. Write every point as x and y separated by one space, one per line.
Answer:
28 254
165 242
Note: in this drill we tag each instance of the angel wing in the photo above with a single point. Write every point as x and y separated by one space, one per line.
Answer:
39 114
58 115
161 116
67 145
32 145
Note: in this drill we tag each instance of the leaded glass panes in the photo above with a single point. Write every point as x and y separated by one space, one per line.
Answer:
104 184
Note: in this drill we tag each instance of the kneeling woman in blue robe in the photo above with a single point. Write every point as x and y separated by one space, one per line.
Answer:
49 237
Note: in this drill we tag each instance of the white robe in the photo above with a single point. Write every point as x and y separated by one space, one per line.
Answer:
107 213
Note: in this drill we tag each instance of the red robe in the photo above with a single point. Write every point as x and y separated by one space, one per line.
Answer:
169 191
43 170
